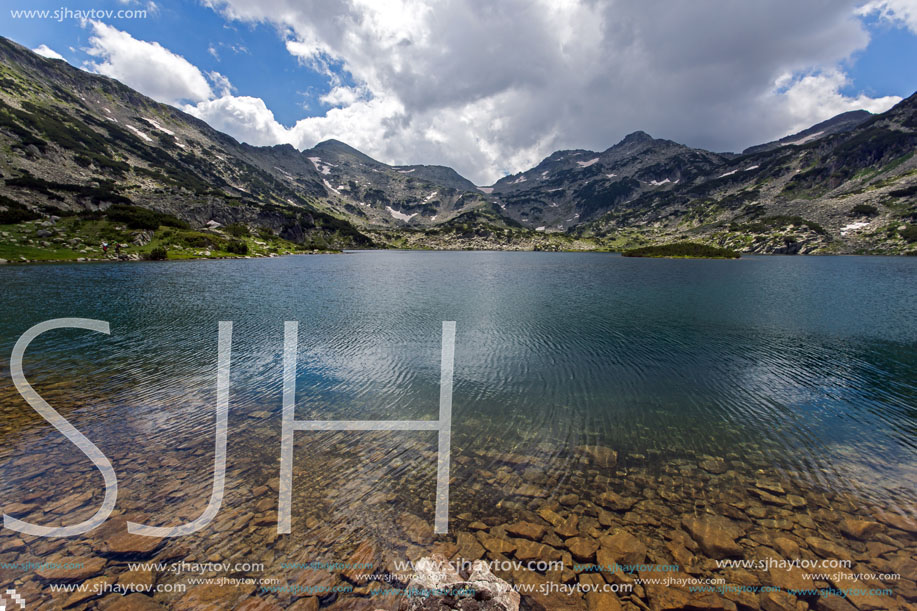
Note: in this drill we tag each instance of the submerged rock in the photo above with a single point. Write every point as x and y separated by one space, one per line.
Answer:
527 530
860 529
715 535
601 456
72 569
621 547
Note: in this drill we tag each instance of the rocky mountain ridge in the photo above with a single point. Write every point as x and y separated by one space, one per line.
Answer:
77 143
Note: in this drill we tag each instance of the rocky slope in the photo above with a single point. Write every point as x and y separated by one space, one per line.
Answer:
572 187
373 194
841 123
848 192
76 143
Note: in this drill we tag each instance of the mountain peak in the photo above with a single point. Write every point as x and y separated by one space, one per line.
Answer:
335 145
637 137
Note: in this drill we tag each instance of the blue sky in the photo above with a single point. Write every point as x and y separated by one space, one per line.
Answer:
491 89
887 65
252 56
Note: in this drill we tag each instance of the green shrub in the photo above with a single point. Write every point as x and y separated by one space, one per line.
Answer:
136 217
238 230
682 249
905 192
157 254
909 234
864 210
15 212
200 240
237 247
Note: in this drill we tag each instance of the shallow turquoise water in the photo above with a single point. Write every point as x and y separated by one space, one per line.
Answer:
804 364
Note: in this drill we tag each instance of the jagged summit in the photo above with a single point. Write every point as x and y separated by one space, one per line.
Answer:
637 137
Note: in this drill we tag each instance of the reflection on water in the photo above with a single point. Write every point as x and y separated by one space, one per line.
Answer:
706 377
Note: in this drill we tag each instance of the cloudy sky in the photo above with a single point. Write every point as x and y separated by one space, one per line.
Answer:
490 88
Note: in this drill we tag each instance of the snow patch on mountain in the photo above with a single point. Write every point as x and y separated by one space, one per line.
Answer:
853 227
586 164
321 167
158 126
401 216
808 138
139 133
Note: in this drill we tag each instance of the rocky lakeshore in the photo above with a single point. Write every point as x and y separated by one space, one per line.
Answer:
600 522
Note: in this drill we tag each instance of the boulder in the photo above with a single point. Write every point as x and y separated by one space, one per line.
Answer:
582 548
363 557
898 521
860 529
527 530
569 527
614 501
715 535
77 569
123 543
600 456
827 549
713 465
484 591
621 547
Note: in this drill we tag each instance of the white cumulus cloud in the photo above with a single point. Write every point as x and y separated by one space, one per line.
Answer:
246 118
491 88
148 67
897 11
814 97
46 51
